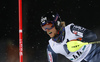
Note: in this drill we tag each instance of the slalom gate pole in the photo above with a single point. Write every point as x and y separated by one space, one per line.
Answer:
20 32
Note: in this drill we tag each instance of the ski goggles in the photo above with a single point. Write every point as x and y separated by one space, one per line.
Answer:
48 26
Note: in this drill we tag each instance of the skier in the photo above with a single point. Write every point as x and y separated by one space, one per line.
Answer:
60 34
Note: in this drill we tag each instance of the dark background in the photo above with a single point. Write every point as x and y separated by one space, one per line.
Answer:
9 31
80 12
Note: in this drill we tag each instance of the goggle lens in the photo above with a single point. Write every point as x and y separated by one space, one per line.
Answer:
47 26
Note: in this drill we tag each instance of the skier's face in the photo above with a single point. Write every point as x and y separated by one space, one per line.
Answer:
52 32
50 29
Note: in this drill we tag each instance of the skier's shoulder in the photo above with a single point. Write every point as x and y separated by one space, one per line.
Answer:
69 26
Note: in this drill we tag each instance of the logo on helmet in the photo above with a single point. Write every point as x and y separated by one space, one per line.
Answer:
43 19
58 23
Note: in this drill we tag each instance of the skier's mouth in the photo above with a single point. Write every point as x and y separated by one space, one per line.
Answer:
50 32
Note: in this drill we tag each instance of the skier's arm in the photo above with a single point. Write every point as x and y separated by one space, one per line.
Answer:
52 56
87 35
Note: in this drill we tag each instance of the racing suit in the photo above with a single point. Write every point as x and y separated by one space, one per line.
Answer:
88 53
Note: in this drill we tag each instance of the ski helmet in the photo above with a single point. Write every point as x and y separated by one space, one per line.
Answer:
51 17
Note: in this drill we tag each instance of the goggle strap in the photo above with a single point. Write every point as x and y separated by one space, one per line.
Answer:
56 17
